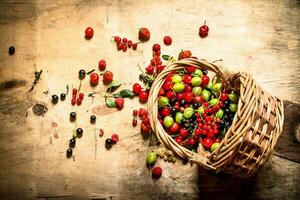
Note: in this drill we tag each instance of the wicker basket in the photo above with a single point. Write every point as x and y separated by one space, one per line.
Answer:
252 136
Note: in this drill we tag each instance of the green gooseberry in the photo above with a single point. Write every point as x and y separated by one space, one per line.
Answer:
209 85
201 110
188 113
214 146
151 158
198 72
216 88
196 81
168 121
220 114
233 97
197 90
233 107
178 87
176 78
163 101
205 94
178 117
214 101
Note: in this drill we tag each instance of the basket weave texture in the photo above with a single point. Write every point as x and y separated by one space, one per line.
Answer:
253 134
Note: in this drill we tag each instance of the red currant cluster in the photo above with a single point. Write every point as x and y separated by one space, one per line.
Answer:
143 115
124 43
76 99
194 109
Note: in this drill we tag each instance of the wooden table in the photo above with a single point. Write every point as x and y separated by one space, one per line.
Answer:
261 37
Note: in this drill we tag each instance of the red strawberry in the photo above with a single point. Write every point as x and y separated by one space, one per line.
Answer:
107 77
156 172
119 102
144 34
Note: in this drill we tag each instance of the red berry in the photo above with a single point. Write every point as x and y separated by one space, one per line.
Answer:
188 89
167 40
184 133
144 34
124 40
205 80
143 96
191 141
189 97
79 101
190 69
134 122
143 112
134 46
89 32
178 139
129 43
168 85
135 113
156 172
165 111
224 96
94 79
74 91
117 39
156 47
119 102
175 128
180 96
170 94
187 79
184 54
149 69
161 92
218 140
81 96
73 102
207 142
124 48
203 30
115 138
159 68
119 46
136 88
102 65
107 77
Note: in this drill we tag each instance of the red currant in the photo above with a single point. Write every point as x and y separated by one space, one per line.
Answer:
207 142
136 88
205 80
134 46
156 47
117 39
167 40
81 96
203 30
143 96
187 79
165 112
135 113
94 79
124 40
89 32
102 65
74 91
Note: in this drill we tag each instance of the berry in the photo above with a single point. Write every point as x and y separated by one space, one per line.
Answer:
124 48
187 78
94 79
72 116
69 152
184 54
129 43
73 101
207 142
79 132
119 46
119 102
144 34
203 30
107 77
134 46
81 74
168 121
115 138
62 96
89 32
165 111
175 128
142 112
151 158
102 65
136 88
79 101
156 47
143 96
134 122
190 70
124 40
189 97
135 113
108 143
178 139
167 40
11 50
54 98
81 96
117 39
93 119
156 172
72 143
205 80
149 69
74 91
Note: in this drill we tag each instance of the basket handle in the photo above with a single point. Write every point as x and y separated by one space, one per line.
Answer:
230 78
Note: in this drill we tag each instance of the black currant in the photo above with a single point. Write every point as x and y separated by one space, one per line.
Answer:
93 119
62 96
69 152
108 143
79 132
72 116
81 74
11 50
54 98
72 143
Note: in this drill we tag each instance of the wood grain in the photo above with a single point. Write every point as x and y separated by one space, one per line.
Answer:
261 37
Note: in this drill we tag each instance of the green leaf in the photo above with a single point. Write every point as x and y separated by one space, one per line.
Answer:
113 86
125 94
166 57
110 102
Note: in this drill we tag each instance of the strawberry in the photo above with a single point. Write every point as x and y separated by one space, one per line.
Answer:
107 77
144 34
119 102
